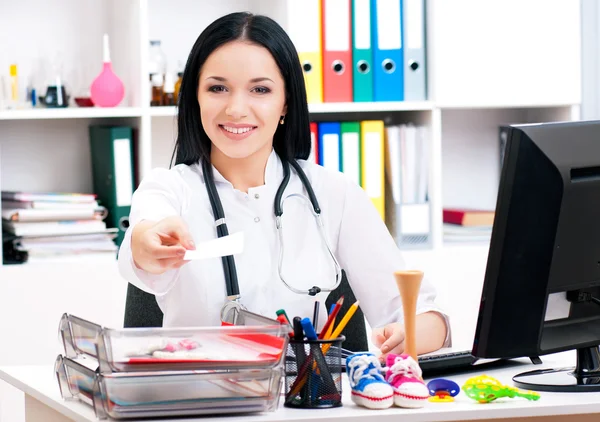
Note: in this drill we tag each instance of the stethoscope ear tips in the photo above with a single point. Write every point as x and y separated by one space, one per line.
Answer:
313 291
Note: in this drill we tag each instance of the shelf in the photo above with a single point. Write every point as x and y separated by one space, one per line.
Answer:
467 106
171 111
324 108
377 106
70 113
163 111
475 243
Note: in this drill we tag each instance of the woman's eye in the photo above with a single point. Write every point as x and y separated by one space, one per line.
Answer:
217 88
261 90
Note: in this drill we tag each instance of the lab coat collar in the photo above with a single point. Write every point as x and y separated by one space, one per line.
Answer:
273 171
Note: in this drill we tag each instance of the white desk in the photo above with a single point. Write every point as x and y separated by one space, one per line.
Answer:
44 403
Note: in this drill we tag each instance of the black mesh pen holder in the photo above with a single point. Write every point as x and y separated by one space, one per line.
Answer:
313 373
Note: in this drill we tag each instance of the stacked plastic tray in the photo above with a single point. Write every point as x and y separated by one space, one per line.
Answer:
160 372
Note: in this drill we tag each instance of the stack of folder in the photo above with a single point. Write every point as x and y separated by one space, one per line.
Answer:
53 227
166 372
391 163
360 50
357 150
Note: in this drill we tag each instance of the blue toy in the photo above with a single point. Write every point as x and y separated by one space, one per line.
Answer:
442 390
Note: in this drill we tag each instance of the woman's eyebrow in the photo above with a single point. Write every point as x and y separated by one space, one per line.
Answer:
253 80
261 79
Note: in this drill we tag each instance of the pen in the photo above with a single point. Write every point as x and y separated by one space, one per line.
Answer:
282 311
298 332
298 346
283 321
309 330
316 315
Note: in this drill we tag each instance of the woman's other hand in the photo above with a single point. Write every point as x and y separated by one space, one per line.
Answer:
389 339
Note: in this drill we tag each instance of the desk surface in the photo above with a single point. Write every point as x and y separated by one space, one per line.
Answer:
40 383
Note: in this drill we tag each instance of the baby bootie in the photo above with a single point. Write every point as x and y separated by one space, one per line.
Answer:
369 388
404 375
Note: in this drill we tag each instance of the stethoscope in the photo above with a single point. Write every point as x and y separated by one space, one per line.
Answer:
229 268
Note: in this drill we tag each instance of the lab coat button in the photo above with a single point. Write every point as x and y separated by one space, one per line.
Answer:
256 195
256 219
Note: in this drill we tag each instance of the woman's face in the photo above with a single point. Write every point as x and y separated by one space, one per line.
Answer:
241 94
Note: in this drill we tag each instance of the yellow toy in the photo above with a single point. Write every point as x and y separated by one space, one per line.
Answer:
485 389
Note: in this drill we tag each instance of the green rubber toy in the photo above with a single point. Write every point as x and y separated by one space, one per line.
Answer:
485 389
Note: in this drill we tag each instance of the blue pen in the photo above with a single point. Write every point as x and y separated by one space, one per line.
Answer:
313 379
309 330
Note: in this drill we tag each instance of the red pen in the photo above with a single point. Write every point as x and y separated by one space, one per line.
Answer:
283 321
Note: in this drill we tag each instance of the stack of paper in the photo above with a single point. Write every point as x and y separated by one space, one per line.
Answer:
56 226
407 184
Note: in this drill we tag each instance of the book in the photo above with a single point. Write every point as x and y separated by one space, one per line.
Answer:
29 229
48 197
468 217
45 205
36 214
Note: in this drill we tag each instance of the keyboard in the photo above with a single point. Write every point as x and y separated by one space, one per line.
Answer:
440 363
453 361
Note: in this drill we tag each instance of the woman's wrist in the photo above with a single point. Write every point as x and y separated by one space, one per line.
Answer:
136 234
431 332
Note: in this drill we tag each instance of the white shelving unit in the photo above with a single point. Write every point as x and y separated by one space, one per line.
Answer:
492 64
70 113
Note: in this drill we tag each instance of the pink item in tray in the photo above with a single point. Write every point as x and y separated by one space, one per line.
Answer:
185 344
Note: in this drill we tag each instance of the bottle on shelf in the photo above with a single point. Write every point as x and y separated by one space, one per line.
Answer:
169 90
178 87
157 90
157 65
107 89
14 87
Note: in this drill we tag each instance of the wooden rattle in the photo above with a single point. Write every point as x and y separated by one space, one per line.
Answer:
409 284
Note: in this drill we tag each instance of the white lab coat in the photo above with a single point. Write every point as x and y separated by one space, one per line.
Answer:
194 294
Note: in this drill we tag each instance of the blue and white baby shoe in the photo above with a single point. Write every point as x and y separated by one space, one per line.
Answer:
369 387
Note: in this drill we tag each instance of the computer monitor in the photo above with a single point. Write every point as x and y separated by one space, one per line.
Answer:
541 292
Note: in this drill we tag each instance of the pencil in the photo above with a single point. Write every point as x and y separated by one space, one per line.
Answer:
341 325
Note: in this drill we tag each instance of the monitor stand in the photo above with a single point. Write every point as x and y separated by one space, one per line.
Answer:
584 377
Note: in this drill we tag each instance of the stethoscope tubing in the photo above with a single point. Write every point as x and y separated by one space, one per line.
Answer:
229 268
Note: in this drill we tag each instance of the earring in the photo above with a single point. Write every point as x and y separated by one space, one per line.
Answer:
282 120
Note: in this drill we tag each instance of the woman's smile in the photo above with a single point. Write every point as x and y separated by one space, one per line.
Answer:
237 132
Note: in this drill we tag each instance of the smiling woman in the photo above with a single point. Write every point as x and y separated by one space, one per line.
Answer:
239 78
241 156
241 94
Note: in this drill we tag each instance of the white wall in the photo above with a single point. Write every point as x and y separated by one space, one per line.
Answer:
590 59
510 52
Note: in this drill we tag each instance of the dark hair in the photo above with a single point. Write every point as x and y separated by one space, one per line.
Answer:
292 139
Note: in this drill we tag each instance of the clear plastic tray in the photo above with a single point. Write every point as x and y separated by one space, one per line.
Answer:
162 349
156 394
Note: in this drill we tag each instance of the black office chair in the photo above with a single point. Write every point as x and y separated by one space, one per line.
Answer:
141 310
